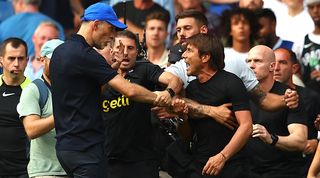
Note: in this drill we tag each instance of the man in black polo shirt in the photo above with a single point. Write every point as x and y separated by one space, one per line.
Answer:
129 139
278 137
77 74
13 138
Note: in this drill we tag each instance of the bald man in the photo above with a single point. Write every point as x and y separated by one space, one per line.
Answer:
286 65
278 137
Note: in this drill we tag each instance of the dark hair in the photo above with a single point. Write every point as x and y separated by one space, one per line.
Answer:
200 18
267 13
292 55
158 16
209 45
129 34
248 15
15 43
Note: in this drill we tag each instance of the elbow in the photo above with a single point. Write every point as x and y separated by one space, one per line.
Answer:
31 135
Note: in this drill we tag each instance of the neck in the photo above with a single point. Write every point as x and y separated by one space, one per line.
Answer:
267 83
85 32
290 83
295 11
241 46
30 8
13 79
46 78
143 4
316 30
154 54
206 73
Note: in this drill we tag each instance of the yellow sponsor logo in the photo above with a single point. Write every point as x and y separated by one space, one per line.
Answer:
116 103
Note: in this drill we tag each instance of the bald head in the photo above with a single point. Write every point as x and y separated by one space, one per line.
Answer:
262 52
251 4
261 60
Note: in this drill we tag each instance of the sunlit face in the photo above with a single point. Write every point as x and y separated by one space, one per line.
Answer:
240 28
42 35
186 28
257 62
314 11
193 60
14 61
156 33
251 4
103 34
130 52
189 4
283 66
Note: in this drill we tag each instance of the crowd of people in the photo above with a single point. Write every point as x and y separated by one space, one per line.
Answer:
160 89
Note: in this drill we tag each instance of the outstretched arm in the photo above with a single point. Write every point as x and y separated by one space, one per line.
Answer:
273 102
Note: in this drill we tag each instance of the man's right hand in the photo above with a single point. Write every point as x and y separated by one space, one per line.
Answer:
223 115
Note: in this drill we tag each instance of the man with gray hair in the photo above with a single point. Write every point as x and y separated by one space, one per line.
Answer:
35 112
25 21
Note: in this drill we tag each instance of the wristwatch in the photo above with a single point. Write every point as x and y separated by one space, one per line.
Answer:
171 92
274 139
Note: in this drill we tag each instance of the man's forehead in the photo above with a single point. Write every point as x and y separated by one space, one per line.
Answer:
187 21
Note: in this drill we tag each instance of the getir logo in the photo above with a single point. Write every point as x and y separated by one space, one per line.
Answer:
116 103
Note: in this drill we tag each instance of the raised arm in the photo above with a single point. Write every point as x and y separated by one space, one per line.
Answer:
273 102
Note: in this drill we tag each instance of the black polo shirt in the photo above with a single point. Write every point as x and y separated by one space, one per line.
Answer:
77 72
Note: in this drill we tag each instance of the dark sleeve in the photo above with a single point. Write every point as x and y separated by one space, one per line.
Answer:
297 115
237 93
154 72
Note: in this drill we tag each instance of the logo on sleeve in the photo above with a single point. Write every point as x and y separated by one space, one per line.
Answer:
4 94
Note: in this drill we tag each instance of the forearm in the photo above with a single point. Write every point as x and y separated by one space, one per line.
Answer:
36 127
315 165
140 94
296 140
197 110
291 143
267 101
238 140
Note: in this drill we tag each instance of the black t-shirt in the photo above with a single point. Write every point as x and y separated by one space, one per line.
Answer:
77 73
223 87
267 159
137 16
128 129
13 139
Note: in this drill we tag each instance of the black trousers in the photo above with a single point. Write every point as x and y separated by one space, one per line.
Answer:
84 164
140 169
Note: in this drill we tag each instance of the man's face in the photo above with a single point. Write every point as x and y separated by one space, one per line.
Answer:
186 28
283 66
261 66
130 52
265 31
189 4
14 61
251 4
240 28
103 34
156 33
44 34
193 60
314 11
